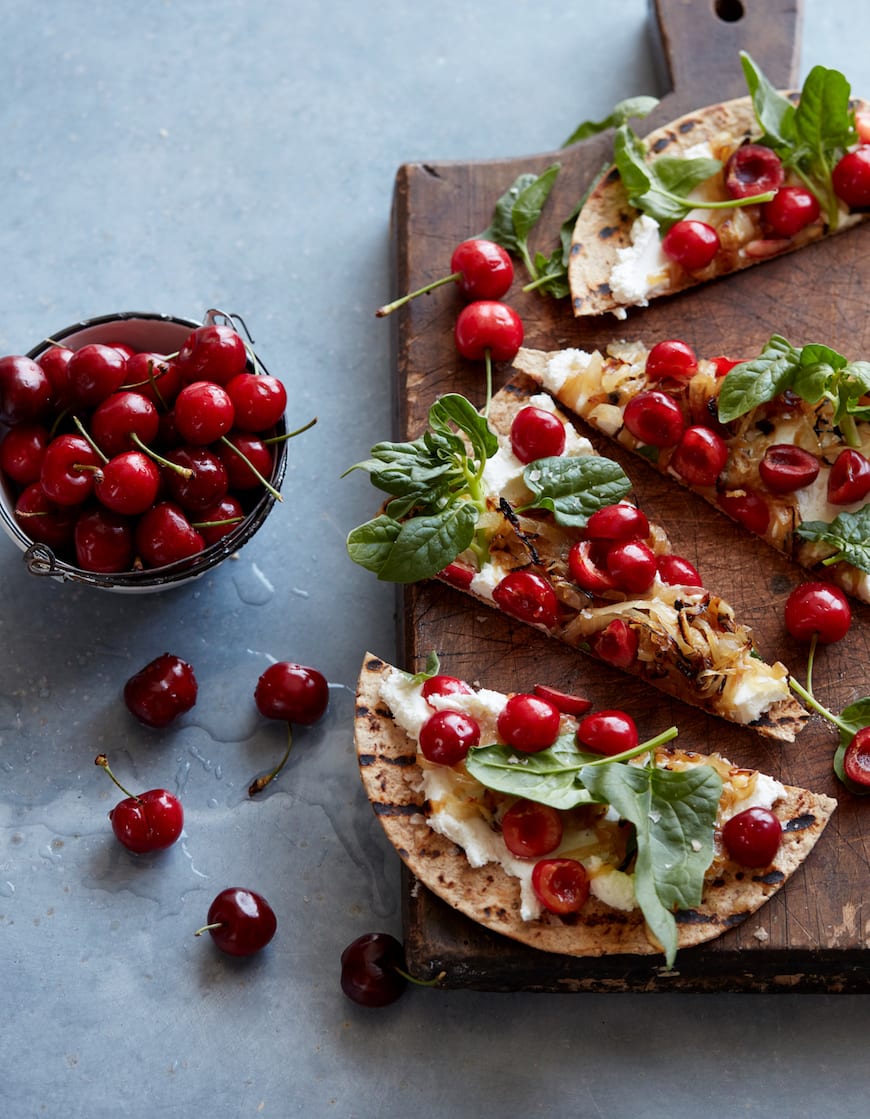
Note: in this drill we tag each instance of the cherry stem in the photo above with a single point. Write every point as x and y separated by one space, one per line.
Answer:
184 471
217 524
252 468
102 761
85 434
487 357
208 928
388 308
810 658
421 982
290 434
812 702
261 782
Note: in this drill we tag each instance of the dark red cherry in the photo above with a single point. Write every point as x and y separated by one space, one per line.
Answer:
790 210
530 829
691 244
856 760
785 468
119 418
240 922
372 970
128 483
488 326
150 821
561 885
44 521
616 644
203 413
678 572
817 610
205 485
753 169
164 535
621 521
211 353
95 372
747 508
607 732
161 691
849 480
537 433
247 459
851 178
292 692
529 723
218 520
258 400
752 837
153 376
447 736
103 541
700 456
567 702
671 360
22 452
654 418
26 393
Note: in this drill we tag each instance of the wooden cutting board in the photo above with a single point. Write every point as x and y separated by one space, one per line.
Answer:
813 935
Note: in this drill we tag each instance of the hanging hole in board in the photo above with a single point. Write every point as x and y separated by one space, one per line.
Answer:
729 11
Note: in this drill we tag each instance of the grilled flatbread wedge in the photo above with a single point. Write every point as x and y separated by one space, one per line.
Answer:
787 474
617 261
683 639
447 826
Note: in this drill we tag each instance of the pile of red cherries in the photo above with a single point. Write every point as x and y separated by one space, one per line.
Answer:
755 169
123 460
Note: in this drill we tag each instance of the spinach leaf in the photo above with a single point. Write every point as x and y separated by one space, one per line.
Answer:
660 188
848 534
640 106
674 813
757 381
774 113
517 212
426 544
574 487
370 544
548 776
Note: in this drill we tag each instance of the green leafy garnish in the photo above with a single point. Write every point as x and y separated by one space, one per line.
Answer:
814 372
673 813
661 188
848 534
810 137
516 213
640 106
850 720
437 496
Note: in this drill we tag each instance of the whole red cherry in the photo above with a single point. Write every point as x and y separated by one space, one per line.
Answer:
240 922
292 692
161 691
151 821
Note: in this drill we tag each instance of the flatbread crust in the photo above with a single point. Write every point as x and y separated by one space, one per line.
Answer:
604 224
393 781
782 720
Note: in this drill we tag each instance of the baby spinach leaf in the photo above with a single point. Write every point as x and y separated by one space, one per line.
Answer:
756 381
453 408
370 544
548 776
848 534
774 113
574 487
674 813
426 544
640 106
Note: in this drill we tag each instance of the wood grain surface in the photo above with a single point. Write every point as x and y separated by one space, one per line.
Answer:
813 935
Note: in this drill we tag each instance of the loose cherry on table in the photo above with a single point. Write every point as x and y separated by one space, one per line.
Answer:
481 268
373 970
151 821
240 922
161 691
488 329
818 611
292 693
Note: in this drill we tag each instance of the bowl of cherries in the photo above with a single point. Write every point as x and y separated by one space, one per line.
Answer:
138 450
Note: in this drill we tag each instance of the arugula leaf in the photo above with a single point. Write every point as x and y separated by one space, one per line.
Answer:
572 488
848 534
674 813
640 106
